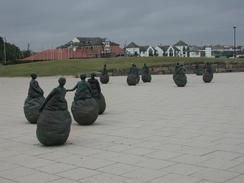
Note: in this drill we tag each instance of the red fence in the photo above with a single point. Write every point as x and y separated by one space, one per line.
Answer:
62 54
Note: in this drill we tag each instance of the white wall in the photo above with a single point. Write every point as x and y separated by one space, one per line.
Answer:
181 48
146 53
160 51
132 51
143 54
195 54
208 52
170 49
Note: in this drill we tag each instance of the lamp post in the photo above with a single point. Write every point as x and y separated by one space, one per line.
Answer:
234 55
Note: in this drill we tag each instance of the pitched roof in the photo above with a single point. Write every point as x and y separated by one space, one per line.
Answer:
91 40
114 44
132 45
176 49
87 42
181 43
164 48
144 48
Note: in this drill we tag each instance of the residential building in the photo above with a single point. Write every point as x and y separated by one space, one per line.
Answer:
160 51
167 51
132 49
183 48
78 48
103 44
147 51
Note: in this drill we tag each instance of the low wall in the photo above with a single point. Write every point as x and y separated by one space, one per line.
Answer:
218 67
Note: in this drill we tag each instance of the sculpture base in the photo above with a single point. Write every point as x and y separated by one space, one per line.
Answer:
180 80
85 112
146 78
104 79
207 77
132 80
31 108
53 127
101 103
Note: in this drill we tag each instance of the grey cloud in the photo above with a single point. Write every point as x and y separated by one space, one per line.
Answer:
49 23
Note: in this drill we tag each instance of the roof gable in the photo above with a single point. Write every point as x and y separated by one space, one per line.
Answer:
181 43
132 45
144 48
164 48
176 49
90 40
114 44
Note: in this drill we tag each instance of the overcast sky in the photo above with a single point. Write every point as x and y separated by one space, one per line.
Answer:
50 23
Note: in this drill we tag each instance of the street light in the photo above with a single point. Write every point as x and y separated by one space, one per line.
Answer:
234 55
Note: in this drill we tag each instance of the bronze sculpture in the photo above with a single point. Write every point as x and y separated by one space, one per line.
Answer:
133 77
146 75
53 125
34 100
208 73
179 76
97 94
104 77
84 108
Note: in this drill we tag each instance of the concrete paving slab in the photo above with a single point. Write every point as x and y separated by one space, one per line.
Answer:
152 132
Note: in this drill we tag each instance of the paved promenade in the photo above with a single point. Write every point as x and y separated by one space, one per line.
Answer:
150 133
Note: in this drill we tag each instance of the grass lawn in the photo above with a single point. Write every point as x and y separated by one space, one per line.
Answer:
74 67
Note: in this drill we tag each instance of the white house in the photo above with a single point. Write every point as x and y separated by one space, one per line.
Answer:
168 51
132 49
183 47
144 51
147 51
159 51
180 49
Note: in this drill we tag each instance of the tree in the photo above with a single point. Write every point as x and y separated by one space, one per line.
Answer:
25 53
1 48
1 40
12 51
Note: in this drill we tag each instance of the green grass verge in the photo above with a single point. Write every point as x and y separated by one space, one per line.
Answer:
74 67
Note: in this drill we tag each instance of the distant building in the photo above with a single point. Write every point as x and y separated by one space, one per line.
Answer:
208 52
160 51
147 51
195 51
102 44
183 48
78 48
195 54
167 51
132 49
92 47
